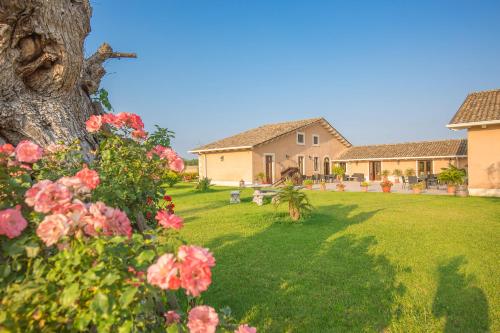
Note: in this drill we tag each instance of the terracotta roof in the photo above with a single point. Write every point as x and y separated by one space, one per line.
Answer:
408 150
262 134
482 106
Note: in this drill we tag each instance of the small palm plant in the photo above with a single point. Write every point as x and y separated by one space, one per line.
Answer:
298 202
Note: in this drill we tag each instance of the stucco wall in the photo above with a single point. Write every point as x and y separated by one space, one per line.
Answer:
484 160
329 146
229 170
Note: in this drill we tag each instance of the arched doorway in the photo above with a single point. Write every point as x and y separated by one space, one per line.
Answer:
326 166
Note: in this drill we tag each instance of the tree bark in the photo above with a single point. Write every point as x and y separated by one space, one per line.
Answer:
45 81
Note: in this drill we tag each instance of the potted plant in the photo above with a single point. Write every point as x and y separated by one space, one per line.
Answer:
339 172
386 186
452 177
397 173
385 174
364 186
409 172
308 183
298 203
322 185
418 187
260 178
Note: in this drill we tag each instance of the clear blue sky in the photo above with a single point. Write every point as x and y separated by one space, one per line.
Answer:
379 71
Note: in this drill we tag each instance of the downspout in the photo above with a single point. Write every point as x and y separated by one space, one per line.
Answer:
206 172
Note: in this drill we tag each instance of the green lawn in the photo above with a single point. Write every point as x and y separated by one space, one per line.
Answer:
362 262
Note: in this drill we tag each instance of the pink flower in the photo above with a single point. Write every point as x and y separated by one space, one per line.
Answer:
177 164
195 273
89 178
75 184
245 329
12 222
139 134
7 149
202 319
112 120
169 220
131 120
106 220
94 123
75 212
172 317
47 196
163 273
53 228
29 152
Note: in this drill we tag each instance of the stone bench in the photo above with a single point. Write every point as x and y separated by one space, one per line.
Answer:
259 195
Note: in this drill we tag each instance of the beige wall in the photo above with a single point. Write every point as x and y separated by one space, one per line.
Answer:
484 160
329 146
229 170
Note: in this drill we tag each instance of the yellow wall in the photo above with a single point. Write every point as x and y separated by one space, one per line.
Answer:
329 146
235 166
484 160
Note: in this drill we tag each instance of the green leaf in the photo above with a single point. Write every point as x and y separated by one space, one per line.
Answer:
126 327
100 304
172 329
128 296
110 278
145 257
70 295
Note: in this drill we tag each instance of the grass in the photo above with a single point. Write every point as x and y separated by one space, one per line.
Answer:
362 262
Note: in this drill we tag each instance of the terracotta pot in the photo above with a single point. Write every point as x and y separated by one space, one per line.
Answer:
417 190
451 189
364 188
386 189
340 188
309 187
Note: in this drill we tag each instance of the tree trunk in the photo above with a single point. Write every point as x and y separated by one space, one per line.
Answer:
45 81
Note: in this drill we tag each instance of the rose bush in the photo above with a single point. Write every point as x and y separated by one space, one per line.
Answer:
91 244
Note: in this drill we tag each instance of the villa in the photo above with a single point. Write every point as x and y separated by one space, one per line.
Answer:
313 145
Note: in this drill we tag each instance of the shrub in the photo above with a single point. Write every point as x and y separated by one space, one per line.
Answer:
419 185
77 252
452 176
203 184
189 176
409 172
364 184
338 171
386 183
261 176
308 182
397 172
172 178
386 173
298 203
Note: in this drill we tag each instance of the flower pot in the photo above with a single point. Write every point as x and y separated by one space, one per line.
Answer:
386 189
364 188
322 187
451 189
417 190
340 188
309 186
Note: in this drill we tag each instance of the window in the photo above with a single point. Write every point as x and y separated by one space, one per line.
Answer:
316 163
301 138
302 166
315 140
424 167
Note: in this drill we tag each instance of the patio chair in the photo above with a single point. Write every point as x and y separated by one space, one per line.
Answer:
412 180
358 176
404 182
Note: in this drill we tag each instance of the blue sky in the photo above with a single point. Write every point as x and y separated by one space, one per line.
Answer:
379 71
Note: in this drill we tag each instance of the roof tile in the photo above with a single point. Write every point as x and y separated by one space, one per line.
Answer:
477 107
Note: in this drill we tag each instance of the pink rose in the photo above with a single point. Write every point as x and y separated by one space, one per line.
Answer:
53 228
112 120
29 152
172 317
194 268
177 164
12 222
139 134
202 319
168 220
94 123
48 196
163 273
245 329
106 220
7 149
89 178
75 184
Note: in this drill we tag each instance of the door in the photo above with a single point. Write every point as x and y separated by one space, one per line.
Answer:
326 166
269 169
301 165
424 168
375 170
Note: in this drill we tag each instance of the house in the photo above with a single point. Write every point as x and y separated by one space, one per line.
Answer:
309 145
425 157
480 115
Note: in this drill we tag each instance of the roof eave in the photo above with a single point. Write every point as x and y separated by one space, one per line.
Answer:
397 158
199 151
473 123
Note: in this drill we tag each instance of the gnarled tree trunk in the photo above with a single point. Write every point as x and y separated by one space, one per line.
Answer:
45 81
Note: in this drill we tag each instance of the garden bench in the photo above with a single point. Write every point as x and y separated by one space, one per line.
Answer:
235 197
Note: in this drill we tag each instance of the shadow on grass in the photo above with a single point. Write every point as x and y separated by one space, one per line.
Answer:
304 277
464 306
